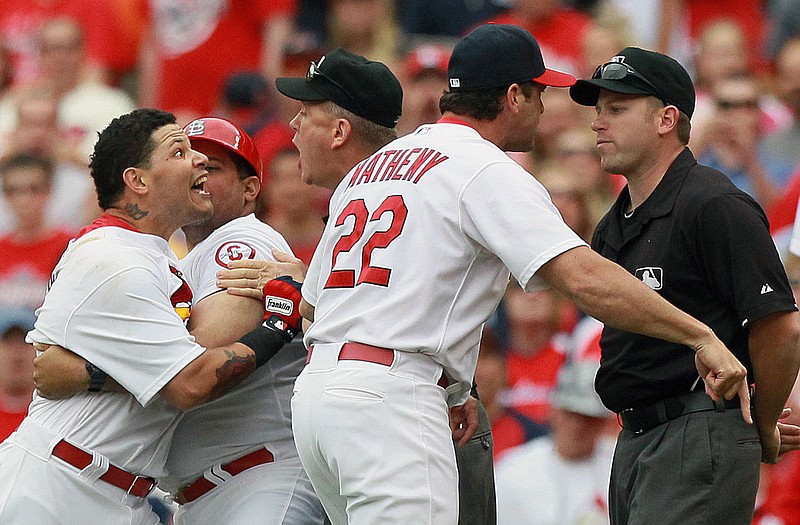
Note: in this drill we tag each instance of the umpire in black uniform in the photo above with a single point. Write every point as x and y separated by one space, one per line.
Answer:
687 232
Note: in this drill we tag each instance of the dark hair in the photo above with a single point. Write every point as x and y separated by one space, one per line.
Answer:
126 142
684 125
482 104
684 128
28 160
243 167
371 134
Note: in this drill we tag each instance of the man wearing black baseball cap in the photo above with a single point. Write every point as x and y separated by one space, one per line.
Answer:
343 94
430 226
365 87
636 71
341 79
686 231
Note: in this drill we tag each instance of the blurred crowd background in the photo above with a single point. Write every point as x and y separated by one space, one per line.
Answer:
67 67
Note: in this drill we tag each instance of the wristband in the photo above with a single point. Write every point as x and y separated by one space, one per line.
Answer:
264 342
97 378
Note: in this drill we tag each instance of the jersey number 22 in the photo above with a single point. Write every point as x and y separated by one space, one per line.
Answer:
346 278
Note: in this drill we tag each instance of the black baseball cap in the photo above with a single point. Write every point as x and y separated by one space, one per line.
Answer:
367 88
498 55
636 71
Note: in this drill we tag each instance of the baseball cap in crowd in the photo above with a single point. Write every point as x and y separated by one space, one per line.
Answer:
498 55
427 58
636 71
367 88
574 391
16 317
245 89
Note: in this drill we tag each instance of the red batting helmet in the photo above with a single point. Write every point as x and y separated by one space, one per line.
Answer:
228 134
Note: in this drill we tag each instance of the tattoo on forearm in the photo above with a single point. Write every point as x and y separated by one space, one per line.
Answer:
231 373
134 212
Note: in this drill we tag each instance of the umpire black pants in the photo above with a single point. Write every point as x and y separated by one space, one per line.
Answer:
476 496
697 469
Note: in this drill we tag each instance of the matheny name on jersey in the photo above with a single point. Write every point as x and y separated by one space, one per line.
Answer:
396 164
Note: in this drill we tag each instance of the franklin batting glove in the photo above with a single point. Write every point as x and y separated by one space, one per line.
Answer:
282 306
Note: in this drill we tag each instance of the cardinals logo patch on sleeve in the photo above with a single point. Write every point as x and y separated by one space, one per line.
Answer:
234 251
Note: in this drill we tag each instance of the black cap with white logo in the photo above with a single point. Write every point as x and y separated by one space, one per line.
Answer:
367 88
636 71
498 55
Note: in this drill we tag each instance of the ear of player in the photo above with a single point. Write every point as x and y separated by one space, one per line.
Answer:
282 306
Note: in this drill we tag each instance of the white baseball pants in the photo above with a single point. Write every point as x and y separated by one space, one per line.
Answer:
36 488
375 439
277 493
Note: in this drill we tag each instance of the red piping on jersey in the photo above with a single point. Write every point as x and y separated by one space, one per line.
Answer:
105 220
453 120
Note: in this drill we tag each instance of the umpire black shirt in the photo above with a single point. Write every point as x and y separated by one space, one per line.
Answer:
704 245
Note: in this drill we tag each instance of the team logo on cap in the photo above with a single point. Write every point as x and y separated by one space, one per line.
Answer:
234 251
196 127
455 82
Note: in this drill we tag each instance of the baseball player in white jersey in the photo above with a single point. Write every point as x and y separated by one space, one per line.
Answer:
118 299
233 460
414 258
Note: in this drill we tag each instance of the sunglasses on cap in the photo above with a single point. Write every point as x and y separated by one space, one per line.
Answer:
618 71
314 72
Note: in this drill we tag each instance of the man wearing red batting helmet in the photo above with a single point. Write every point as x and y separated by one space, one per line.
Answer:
118 298
233 460
240 445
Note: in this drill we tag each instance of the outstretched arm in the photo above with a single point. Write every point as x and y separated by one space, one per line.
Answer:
606 291
248 276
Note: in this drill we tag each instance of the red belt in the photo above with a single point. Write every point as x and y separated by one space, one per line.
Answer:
370 354
202 486
139 486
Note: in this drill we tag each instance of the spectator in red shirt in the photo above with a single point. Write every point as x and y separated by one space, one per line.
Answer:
16 368
32 249
109 55
291 206
424 78
193 46
535 354
509 427
559 30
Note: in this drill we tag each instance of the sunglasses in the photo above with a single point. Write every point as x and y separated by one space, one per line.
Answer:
314 72
735 104
618 71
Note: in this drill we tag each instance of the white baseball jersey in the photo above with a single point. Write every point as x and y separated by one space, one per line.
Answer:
257 411
421 237
116 299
